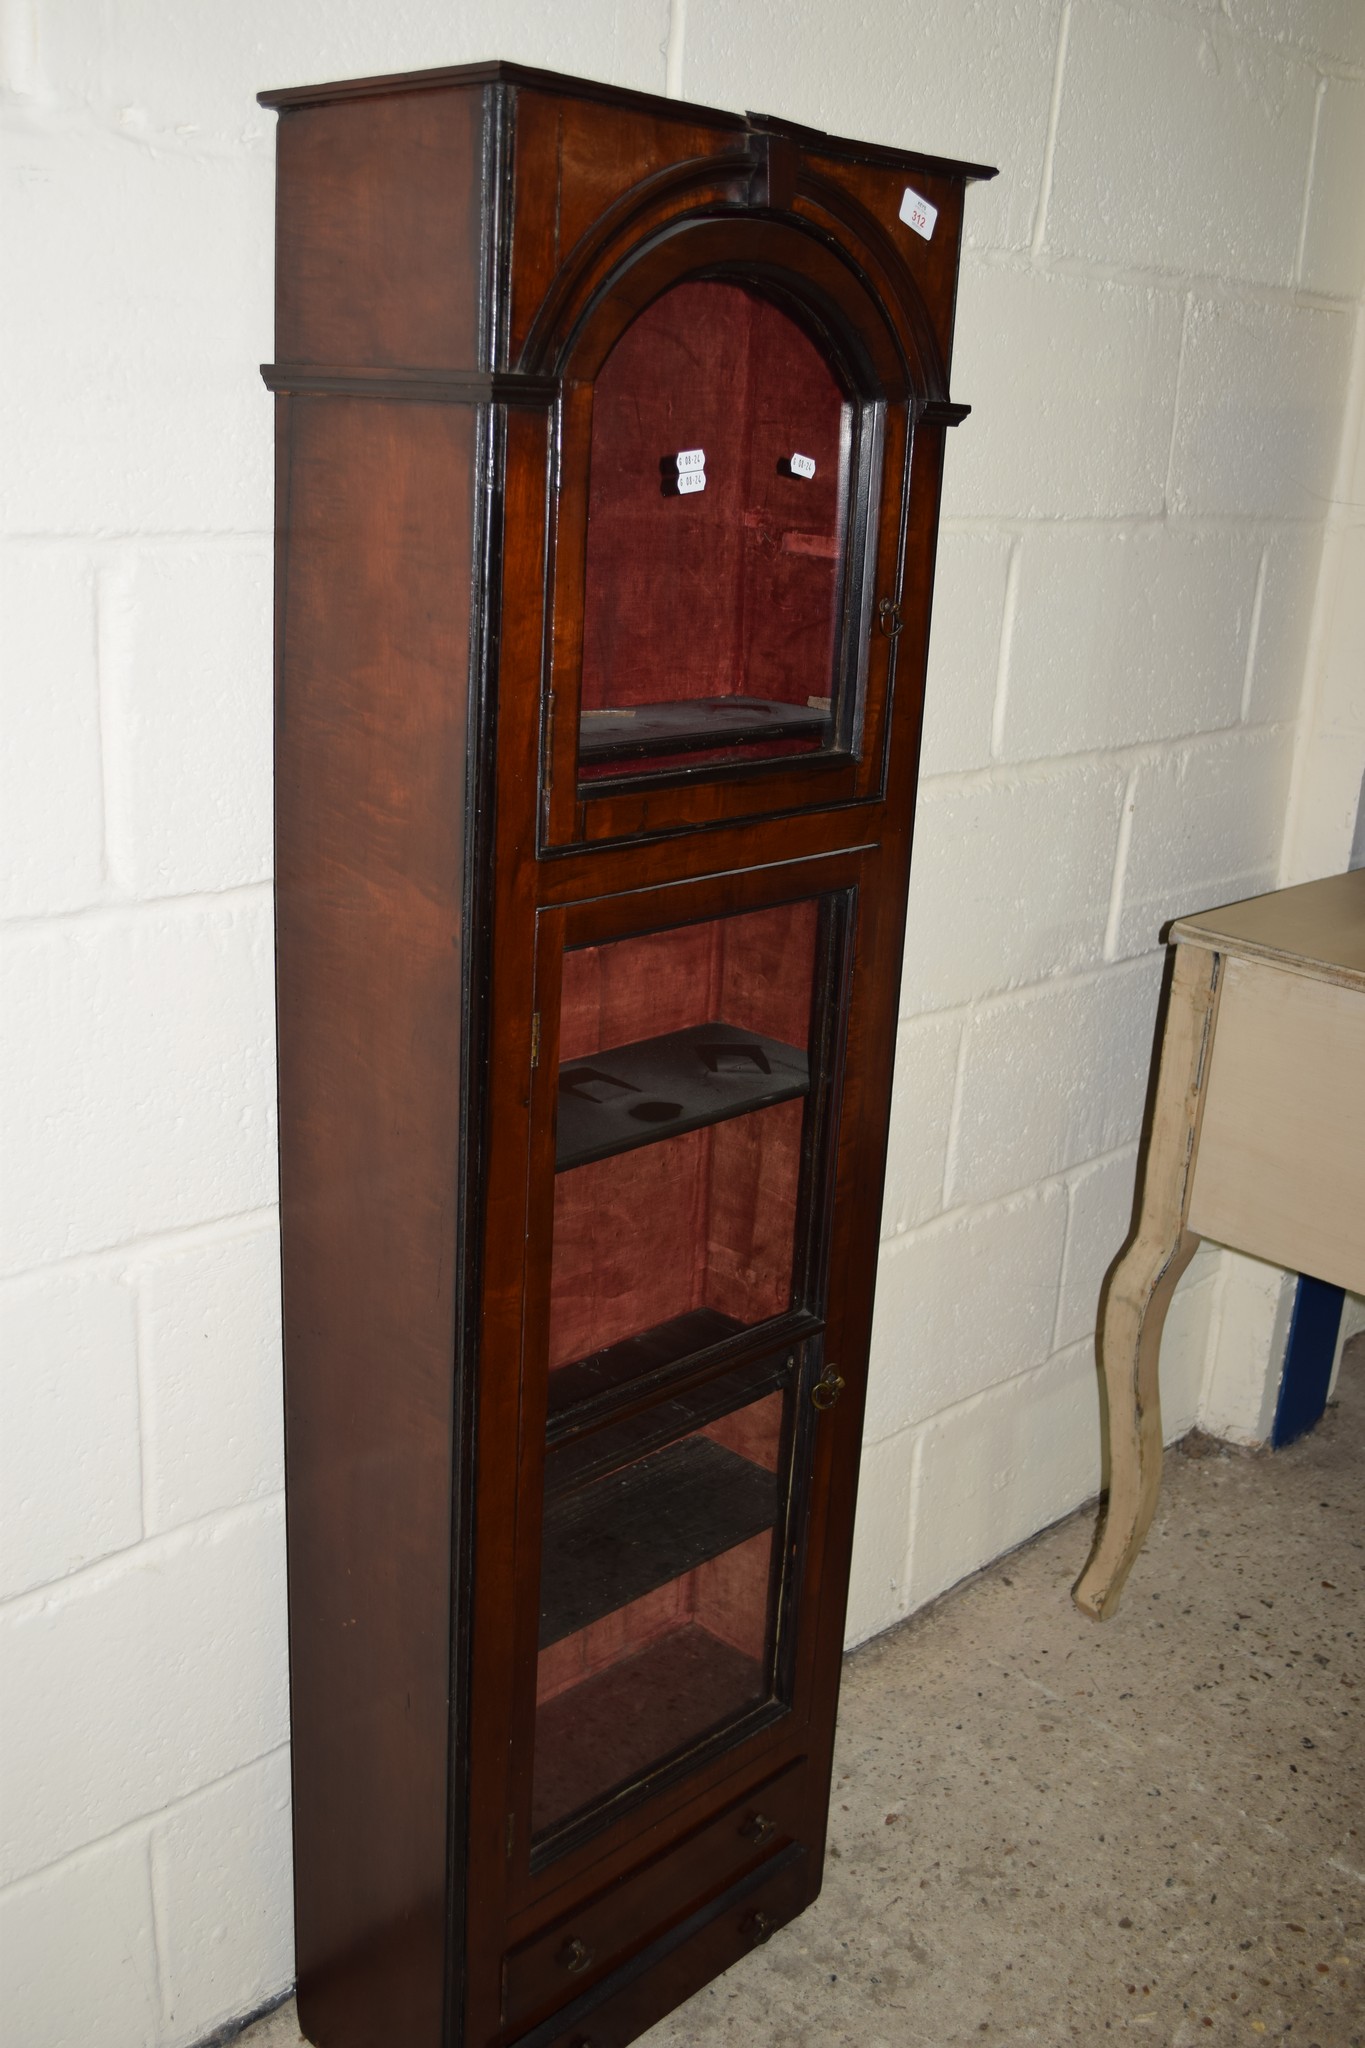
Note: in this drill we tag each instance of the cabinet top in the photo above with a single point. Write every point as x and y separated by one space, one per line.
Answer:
1314 928
499 72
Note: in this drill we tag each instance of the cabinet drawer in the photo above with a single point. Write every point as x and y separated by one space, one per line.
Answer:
584 1945
659 1977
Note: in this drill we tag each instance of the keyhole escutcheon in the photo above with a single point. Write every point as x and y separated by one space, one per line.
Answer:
827 1388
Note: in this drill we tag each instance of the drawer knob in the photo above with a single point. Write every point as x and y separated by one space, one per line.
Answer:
889 617
759 1829
759 1927
827 1388
576 1956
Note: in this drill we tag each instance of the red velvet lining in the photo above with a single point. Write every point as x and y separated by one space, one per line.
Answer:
613 1725
703 1220
734 590
754 970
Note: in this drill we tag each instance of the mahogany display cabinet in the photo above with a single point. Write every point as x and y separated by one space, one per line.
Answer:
610 436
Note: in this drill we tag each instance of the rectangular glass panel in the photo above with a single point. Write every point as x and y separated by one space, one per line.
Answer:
684 1126
718 490
659 1586
683 1094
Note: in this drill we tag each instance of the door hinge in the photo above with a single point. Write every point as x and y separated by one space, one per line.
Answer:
535 1038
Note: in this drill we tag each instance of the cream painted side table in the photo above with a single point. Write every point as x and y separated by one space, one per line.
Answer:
1257 1140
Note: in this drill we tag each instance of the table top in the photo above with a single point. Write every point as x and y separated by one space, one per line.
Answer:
1317 928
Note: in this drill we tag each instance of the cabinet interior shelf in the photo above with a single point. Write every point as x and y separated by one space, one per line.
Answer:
617 1441
618 1539
603 1375
660 1087
635 732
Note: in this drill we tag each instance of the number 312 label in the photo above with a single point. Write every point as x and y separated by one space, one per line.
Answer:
918 214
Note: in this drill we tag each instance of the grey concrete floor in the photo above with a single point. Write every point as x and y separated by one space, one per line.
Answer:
1048 1830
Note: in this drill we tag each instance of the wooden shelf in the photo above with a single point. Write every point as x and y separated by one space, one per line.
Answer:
607 1444
693 725
660 1087
618 1366
625 1720
616 1540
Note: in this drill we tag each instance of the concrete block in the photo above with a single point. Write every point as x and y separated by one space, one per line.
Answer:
1352 1323
1331 793
1334 29
1278 664
963 1304
1334 243
213 1414
70 1469
1244 1362
194 73
78 1953
51 799
139 1090
1073 385
1051 1079
1180 146
1099 1218
993 1471
1206 829
1341 703
964 652
881 1536
1185 1351
132 398
188 646
141 1681
223 1874
1011 881
1259 419
921 1110
963 78
1125 637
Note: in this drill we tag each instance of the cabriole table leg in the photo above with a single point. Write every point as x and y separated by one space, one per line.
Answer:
1140 1285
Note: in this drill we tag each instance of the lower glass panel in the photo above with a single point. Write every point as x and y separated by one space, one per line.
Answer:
660 1585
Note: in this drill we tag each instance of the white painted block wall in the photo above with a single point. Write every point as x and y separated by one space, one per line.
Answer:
1159 301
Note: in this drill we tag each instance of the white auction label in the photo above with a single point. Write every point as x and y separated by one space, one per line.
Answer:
917 213
691 480
690 458
802 465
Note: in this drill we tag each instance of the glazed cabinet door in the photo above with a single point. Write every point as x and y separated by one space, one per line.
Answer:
727 521
676 1382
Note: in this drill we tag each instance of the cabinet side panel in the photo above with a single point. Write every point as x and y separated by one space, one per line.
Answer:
378 231
375 572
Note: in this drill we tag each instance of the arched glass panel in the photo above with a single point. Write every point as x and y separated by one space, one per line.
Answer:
716 543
